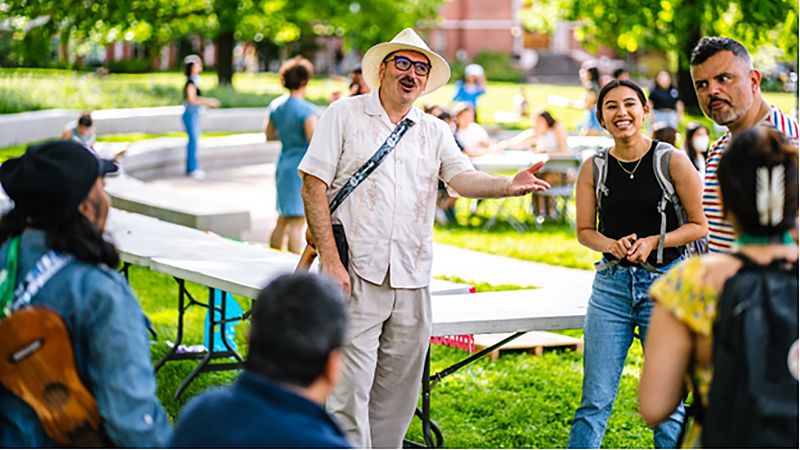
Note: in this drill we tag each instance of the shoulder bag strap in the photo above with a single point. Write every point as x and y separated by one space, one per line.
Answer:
47 266
372 164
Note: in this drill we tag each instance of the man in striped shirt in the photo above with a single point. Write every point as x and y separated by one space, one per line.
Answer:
729 91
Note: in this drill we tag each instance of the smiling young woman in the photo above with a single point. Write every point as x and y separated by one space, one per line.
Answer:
626 229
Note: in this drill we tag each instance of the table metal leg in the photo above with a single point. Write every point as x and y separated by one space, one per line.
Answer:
206 356
430 381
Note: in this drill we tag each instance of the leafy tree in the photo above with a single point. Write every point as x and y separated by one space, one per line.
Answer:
361 23
672 26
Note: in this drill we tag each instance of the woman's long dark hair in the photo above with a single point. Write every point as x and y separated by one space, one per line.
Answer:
75 235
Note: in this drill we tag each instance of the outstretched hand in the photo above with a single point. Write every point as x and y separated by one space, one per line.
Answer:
525 182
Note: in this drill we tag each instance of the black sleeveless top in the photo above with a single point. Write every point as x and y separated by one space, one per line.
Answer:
631 206
188 81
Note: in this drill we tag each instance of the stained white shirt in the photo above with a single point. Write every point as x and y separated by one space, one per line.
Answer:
388 219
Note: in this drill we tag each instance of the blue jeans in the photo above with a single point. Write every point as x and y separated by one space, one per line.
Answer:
668 117
191 120
619 304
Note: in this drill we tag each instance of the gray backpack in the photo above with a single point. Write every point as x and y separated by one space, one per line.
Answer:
661 158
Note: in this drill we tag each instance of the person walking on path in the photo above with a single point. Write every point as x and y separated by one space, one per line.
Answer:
388 222
291 119
625 226
729 91
192 67
687 298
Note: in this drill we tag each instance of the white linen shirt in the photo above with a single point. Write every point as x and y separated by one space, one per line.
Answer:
388 219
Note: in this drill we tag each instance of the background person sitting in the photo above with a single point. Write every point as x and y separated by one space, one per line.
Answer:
81 131
546 135
679 343
298 325
471 137
60 205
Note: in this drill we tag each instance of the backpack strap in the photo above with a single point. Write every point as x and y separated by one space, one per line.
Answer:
599 174
661 159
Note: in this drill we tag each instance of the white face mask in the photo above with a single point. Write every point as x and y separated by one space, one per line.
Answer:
701 142
196 79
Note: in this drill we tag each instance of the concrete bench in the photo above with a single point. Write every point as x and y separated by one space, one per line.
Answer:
163 157
34 126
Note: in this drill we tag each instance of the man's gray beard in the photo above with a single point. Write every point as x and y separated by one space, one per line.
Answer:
740 115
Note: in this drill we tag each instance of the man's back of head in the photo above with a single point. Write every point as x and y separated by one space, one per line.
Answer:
298 326
298 320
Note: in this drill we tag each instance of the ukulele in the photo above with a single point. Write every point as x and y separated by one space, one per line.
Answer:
38 366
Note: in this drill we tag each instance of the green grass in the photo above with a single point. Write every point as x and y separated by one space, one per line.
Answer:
35 89
554 244
518 401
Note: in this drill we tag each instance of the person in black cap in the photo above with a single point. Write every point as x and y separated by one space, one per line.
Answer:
60 210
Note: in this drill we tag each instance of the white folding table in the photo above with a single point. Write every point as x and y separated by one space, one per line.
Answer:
495 312
219 263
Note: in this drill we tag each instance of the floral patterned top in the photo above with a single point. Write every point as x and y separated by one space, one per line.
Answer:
684 292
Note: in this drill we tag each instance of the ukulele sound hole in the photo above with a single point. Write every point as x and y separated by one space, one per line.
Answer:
56 395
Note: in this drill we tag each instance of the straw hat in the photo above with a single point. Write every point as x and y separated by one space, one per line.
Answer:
406 40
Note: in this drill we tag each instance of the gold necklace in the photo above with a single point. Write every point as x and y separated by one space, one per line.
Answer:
630 172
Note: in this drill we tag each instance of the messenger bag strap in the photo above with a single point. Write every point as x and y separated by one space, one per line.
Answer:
372 164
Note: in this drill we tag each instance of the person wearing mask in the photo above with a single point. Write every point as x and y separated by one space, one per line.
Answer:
625 226
696 145
292 120
680 341
664 101
193 100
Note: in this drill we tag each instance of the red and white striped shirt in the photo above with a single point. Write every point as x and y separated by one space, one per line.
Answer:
720 232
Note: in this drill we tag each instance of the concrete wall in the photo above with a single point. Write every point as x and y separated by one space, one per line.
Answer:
34 126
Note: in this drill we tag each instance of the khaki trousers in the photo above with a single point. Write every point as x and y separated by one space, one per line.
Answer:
384 354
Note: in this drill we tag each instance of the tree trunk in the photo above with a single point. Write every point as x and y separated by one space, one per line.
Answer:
685 83
224 43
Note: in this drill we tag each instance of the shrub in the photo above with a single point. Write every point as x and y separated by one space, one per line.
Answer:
130 66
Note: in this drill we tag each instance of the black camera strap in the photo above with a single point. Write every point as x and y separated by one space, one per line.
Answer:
372 164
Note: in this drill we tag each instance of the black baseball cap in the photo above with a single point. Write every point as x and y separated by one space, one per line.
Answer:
50 180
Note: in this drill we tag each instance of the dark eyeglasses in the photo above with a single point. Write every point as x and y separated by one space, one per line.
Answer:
402 64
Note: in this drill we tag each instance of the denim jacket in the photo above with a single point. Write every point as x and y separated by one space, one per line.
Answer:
111 347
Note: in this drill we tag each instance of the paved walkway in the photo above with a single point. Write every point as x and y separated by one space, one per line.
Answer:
253 187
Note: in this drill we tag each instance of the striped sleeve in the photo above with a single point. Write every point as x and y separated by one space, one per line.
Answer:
720 232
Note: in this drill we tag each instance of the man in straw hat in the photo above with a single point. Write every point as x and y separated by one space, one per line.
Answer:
388 221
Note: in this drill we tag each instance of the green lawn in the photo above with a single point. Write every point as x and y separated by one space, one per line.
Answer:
34 89
554 244
518 401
